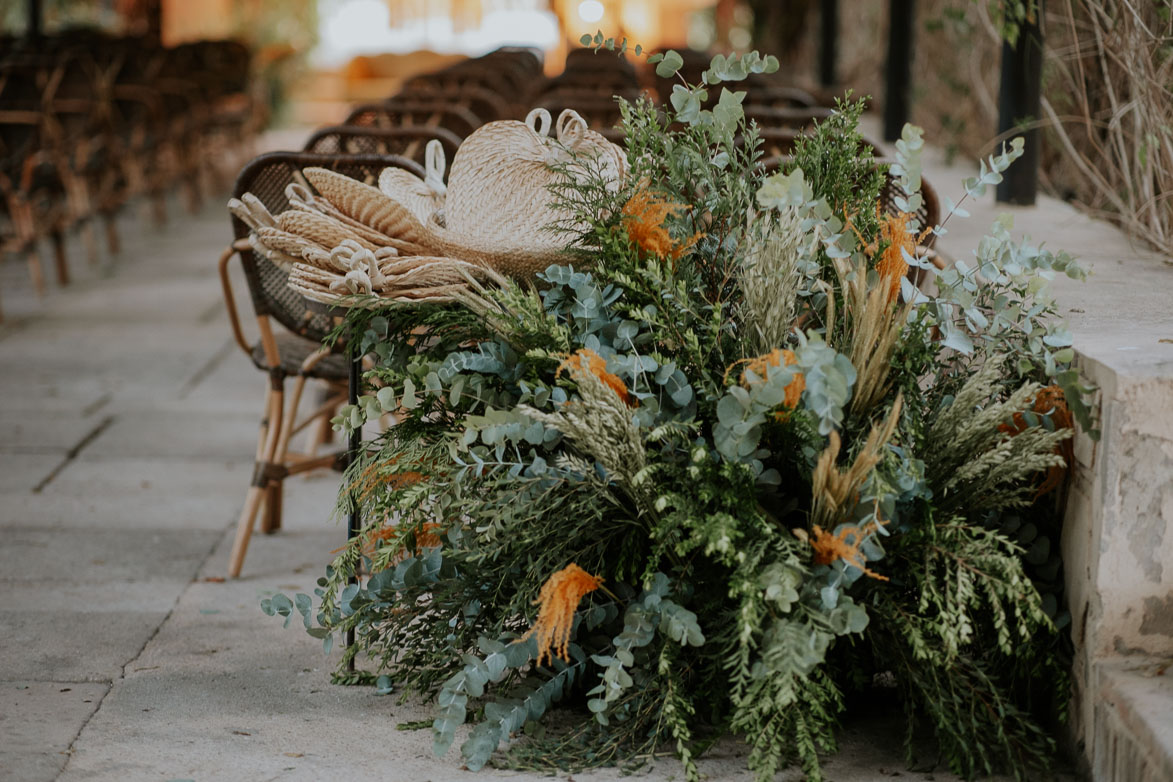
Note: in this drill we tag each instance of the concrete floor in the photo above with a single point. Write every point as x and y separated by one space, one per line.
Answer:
127 426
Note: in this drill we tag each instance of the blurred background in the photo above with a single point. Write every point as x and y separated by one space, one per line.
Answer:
1095 77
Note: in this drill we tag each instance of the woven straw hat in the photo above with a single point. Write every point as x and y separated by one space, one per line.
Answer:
498 210
413 239
424 196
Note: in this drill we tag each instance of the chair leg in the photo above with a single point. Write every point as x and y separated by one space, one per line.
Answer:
36 274
271 518
113 243
271 521
270 435
158 206
244 530
59 261
90 241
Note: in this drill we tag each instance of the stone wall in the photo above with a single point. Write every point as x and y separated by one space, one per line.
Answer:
1118 536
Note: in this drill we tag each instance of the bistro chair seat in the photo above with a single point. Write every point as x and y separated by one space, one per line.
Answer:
293 352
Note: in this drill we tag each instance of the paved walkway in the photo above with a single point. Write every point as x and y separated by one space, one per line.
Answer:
127 426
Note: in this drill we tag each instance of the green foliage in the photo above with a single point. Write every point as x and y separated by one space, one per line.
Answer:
1011 15
834 159
631 414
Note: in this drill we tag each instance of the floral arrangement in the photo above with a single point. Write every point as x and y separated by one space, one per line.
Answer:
723 469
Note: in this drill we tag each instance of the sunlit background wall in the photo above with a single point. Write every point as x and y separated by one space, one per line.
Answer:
322 55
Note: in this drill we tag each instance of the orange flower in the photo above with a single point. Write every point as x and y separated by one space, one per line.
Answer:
586 361
760 366
643 218
426 537
891 265
369 479
1048 401
829 548
559 600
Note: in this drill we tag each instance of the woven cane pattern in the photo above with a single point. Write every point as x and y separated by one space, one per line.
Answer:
320 229
364 204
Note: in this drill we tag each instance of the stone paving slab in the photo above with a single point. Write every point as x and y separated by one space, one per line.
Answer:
43 433
179 434
107 556
79 645
22 472
53 390
156 596
75 515
39 721
249 699
164 300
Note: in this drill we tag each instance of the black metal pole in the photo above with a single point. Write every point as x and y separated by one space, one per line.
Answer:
829 38
1019 105
354 520
33 8
898 100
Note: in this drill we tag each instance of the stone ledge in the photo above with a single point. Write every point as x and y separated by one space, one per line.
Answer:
1133 721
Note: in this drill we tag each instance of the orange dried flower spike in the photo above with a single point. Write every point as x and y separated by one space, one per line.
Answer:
643 218
426 537
894 231
1048 401
829 548
776 358
892 267
369 479
559 600
585 361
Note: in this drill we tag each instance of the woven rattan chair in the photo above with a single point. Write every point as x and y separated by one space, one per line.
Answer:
77 110
295 351
140 122
487 104
781 97
601 114
409 141
415 112
33 177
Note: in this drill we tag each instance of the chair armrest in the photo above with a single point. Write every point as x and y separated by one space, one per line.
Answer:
229 299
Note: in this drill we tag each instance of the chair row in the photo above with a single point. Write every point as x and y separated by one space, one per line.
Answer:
89 121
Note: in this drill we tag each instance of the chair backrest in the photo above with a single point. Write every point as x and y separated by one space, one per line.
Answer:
605 80
599 113
409 141
22 110
486 104
781 97
464 76
449 116
267 177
